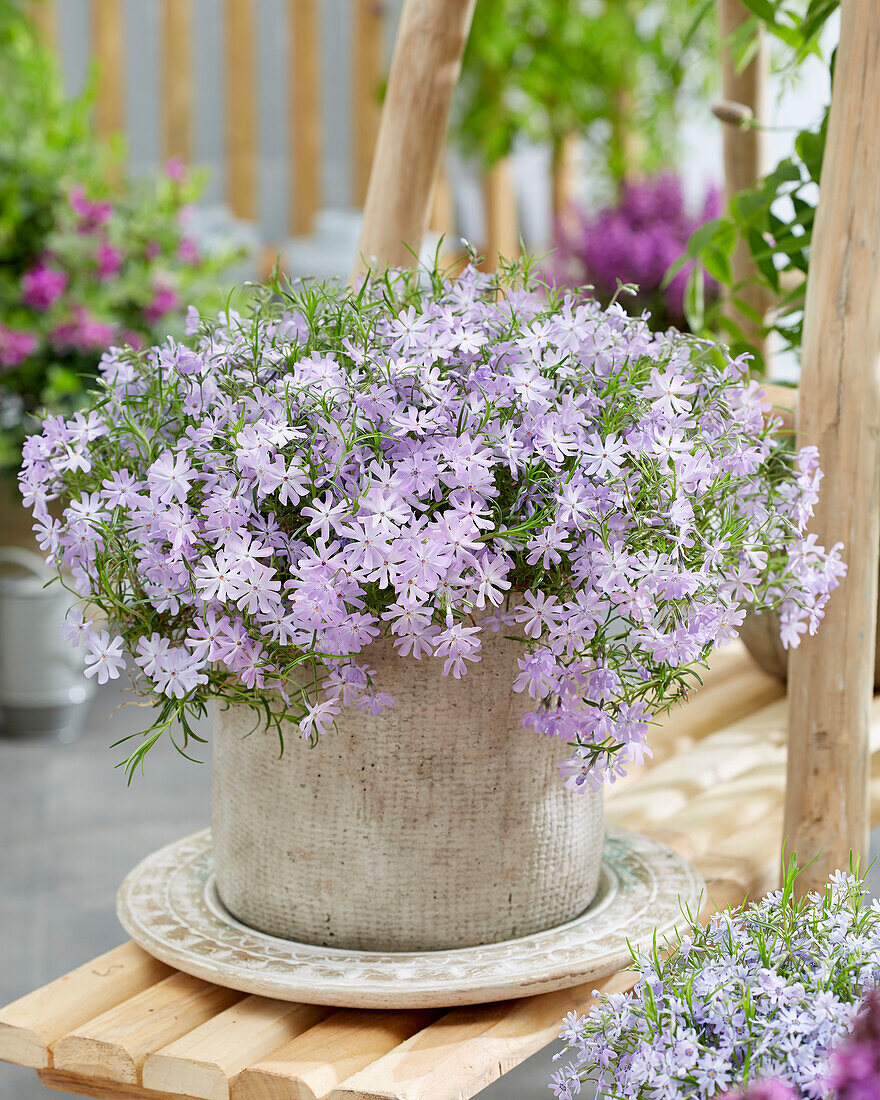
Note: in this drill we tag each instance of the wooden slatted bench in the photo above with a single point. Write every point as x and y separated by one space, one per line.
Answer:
126 1027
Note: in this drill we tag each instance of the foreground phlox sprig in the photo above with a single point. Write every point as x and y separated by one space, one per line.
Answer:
427 458
756 1003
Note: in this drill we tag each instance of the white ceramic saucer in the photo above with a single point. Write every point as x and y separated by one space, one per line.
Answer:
169 905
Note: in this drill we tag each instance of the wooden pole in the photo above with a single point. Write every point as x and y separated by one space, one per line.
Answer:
177 79
45 19
566 155
369 60
442 217
241 115
744 150
304 113
424 72
502 222
831 675
108 49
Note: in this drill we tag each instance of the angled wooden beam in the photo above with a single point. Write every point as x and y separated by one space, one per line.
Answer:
831 675
424 71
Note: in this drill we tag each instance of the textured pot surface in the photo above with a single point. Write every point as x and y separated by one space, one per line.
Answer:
441 823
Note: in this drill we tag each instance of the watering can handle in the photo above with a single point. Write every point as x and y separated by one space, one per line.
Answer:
27 559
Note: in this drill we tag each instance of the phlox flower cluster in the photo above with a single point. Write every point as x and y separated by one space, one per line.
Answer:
429 458
760 1002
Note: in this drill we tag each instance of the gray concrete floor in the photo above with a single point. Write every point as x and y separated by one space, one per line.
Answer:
69 832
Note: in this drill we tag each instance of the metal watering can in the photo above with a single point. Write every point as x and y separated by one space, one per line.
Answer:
42 686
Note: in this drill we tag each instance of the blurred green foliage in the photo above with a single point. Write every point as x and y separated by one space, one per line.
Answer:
614 71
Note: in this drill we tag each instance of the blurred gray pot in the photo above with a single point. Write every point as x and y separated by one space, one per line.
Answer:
43 690
760 634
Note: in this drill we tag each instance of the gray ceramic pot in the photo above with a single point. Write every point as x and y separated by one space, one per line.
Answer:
440 824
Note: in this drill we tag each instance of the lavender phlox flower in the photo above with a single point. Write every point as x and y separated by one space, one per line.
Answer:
431 463
104 657
740 1003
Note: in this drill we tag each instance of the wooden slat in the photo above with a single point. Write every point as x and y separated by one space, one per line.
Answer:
831 676
564 178
108 49
313 1064
102 1090
44 15
304 112
723 698
203 1062
177 79
722 756
241 113
115 1045
424 71
30 1026
468 1048
744 147
367 69
442 220
502 219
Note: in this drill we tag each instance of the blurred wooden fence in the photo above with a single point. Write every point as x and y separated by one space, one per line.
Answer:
300 38
301 33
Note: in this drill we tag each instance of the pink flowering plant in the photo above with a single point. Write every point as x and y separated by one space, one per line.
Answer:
764 1002
113 269
429 458
636 242
84 264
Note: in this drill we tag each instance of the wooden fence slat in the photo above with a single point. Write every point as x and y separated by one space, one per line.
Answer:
744 146
114 1045
108 49
314 1063
204 1061
44 15
424 71
831 676
30 1025
501 216
241 113
368 63
304 113
178 89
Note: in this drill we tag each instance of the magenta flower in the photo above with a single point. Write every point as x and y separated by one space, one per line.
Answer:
175 169
15 347
188 251
42 286
90 215
82 332
636 242
164 301
109 260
